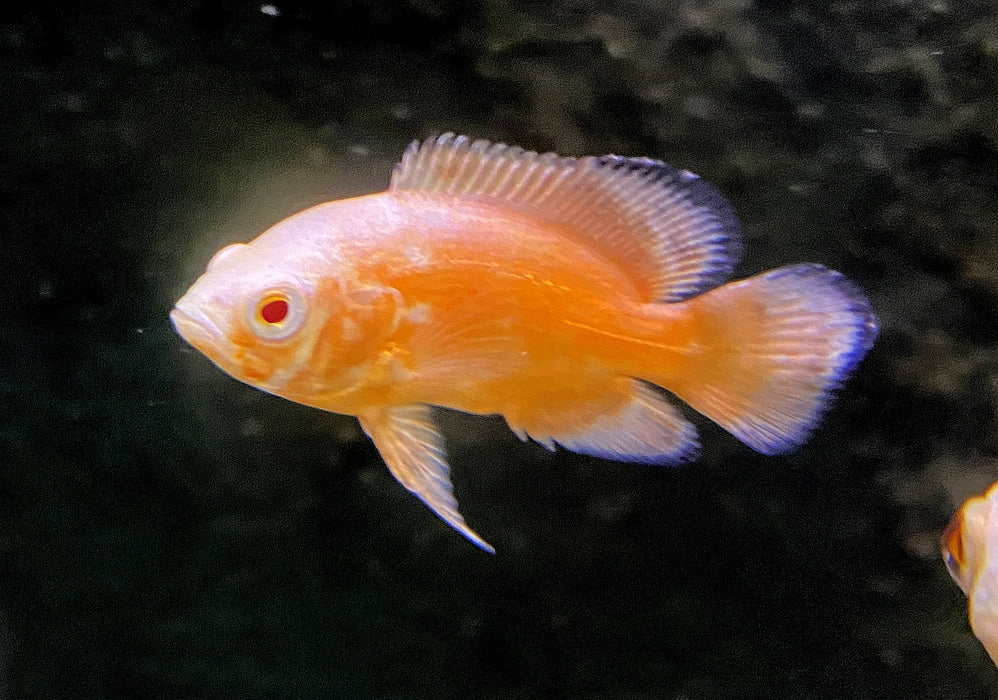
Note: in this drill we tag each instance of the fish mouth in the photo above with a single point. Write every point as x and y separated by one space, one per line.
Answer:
196 328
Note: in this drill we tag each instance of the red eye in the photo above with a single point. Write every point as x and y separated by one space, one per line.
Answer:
274 311
278 314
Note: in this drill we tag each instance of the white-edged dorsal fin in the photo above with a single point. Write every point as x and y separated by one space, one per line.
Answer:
671 231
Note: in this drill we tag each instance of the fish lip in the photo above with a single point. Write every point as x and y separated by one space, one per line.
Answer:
195 327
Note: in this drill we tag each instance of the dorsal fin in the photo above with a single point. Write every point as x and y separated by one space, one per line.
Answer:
673 232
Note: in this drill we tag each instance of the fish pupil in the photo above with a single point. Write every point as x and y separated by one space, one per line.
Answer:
274 311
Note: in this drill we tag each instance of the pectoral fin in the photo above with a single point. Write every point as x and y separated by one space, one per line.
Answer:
413 449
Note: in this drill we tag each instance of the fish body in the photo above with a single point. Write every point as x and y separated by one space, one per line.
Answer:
970 550
549 290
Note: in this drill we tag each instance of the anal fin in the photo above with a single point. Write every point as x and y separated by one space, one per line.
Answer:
633 424
413 449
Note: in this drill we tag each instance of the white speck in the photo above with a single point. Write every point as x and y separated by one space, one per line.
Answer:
399 371
367 477
249 427
400 111
360 151
937 52
700 107
420 313
113 52
811 110
470 625
416 255
318 156
72 102
270 10
351 332
11 36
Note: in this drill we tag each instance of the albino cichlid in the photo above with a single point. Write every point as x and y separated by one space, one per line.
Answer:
970 550
553 291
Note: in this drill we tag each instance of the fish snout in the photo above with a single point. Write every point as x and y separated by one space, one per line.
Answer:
196 327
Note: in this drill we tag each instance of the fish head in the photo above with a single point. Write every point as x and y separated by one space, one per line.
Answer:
965 541
954 552
970 550
254 314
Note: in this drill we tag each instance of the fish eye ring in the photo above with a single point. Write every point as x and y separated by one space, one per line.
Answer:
278 313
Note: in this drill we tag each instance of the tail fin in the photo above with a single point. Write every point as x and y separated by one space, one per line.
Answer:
772 349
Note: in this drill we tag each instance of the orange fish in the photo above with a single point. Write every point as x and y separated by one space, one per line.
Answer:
970 550
550 290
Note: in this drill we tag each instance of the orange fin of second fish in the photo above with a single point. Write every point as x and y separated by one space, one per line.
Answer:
671 231
413 449
627 421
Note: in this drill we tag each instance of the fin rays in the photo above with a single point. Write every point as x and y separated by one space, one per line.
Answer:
413 449
624 420
786 340
673 232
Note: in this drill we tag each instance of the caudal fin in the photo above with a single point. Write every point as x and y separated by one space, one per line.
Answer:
772 349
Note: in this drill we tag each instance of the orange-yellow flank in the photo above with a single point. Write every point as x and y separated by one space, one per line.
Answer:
553 291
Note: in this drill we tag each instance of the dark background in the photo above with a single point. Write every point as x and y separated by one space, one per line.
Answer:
166 532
